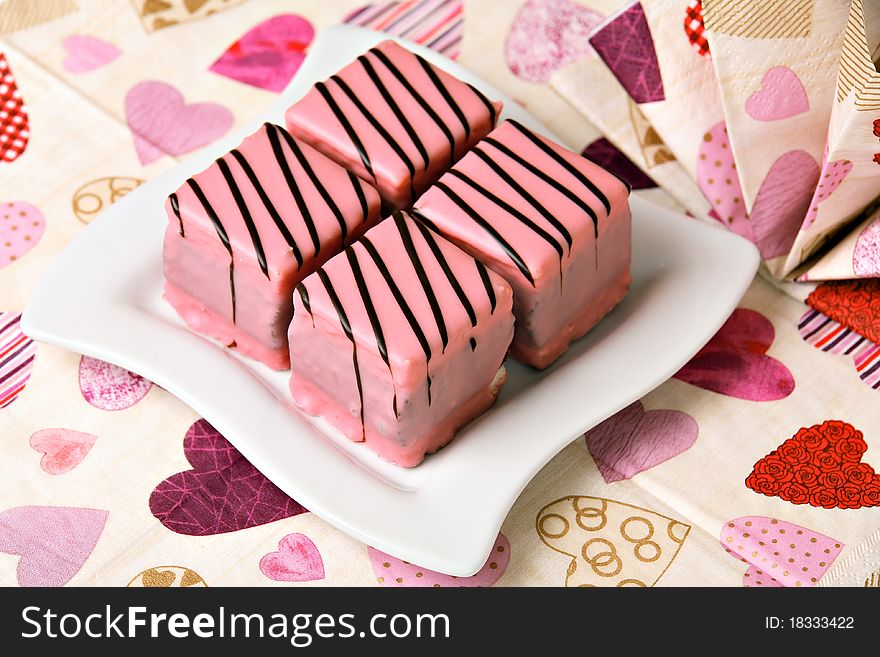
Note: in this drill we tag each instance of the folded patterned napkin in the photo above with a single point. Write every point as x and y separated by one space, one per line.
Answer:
769 108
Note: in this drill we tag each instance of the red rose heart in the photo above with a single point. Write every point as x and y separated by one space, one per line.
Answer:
853 303
820 466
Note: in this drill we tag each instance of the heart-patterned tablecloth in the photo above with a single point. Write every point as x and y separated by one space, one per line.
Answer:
754 465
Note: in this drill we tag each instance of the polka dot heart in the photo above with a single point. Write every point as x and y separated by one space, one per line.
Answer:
830 178
779 553
14 128
719 182
391 571
109 387
21 227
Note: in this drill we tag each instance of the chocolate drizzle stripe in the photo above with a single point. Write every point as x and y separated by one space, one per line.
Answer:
368 303
450 276
423 277
373 316
221 233
346 125
571 196
290 179
397 73
398 295
362 198
175 208
404 308
346 328
378 127
432 74
267 203
488 103
487 283
508 249
245 214
519 189
565 164
310 172
509 209
383 90
304 295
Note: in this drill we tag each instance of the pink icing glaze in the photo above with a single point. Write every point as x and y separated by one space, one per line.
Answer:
197 264
594 275
464 378
312 120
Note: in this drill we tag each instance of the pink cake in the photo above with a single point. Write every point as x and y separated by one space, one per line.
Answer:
393 119
242 233
552 223
399 340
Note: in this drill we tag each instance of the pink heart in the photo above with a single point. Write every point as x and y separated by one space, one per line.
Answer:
222 493
719 181
21 227
161 122
87 53
62 449
17 353
735 361
754 577
269 54
391 571
779 553
109 387
53 541
830 178
297 560
866 254
634 440
781 96
546 35
782 202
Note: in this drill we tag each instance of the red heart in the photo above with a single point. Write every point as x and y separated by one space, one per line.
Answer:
14 126
735 361
222 493
694 27
854 303
820 466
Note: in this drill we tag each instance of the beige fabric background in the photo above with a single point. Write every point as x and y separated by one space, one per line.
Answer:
79 134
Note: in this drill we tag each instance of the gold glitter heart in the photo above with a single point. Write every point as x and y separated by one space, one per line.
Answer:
152 578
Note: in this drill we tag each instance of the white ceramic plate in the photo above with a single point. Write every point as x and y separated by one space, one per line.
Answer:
103 298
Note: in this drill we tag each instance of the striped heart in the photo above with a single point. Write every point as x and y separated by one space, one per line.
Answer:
17 353
437 24
834 338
